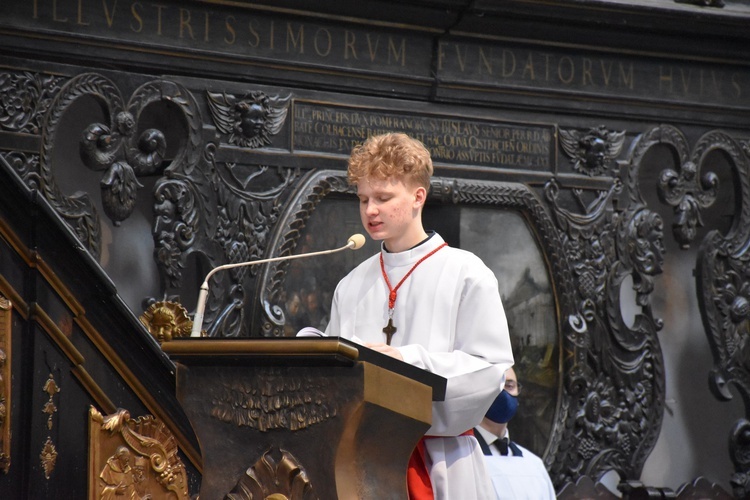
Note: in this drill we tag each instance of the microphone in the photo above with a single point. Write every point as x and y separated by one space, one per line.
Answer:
355 242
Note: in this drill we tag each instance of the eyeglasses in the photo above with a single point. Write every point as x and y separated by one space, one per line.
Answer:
513 387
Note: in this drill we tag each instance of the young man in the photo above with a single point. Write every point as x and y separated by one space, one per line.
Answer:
427 304
517 473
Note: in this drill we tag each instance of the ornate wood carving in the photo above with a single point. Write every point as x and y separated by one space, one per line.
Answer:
275 479
275 402
6 310
166 321
135 457
723 283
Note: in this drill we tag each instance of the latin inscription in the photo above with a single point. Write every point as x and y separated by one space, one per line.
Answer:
246 34
337 129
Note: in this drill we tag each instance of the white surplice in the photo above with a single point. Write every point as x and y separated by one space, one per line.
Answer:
450 321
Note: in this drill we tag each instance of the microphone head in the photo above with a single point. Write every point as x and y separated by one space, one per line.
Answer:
356 241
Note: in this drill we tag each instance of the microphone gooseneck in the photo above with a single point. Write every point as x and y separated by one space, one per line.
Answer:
355 242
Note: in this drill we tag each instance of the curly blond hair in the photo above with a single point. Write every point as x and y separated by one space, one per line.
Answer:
391 155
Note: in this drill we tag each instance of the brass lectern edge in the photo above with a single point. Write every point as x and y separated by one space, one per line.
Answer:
258 347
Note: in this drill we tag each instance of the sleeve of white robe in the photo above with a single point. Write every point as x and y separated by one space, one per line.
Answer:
475 369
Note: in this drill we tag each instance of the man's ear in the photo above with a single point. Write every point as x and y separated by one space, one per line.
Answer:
420 196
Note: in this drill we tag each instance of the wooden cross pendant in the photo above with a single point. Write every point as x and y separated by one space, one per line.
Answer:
389 330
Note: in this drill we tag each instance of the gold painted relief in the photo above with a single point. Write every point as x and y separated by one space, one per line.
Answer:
274 479
48 457
51 388
166 321
133 458
5 376
275 401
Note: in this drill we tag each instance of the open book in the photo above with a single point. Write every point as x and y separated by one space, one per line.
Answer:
310 331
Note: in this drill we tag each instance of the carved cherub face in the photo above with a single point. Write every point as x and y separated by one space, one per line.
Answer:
163 324
252 118
595 152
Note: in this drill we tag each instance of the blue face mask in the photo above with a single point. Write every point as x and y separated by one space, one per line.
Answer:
503 408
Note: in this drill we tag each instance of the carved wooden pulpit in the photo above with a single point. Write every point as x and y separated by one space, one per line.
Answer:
302 418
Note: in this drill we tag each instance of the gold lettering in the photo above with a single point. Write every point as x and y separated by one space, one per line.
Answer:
231 35
571 70
441 55
159 9
79 20
109 15
685 79
271 36
349 39
299 41
185 23
606 71
586 78
207 18
461 57
328 42
35 9
528 69
665 79
137 18
627 77
255 36
547 65
487 62
398 53
54 13
373 50
508 58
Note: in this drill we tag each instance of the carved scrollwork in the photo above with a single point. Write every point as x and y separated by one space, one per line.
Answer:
687 191
274 479
155 471
616 382
723 282
124 155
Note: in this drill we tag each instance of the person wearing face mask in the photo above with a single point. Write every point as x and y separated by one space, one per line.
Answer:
515 471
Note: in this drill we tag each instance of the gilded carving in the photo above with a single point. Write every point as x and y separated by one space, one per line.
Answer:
133 458
274 402
5 385
51 388
250 120
593 152
166 321
48 457
271 479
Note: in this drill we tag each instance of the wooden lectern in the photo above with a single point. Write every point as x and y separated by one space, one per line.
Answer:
302 418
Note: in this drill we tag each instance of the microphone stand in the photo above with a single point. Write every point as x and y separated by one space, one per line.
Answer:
355 242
